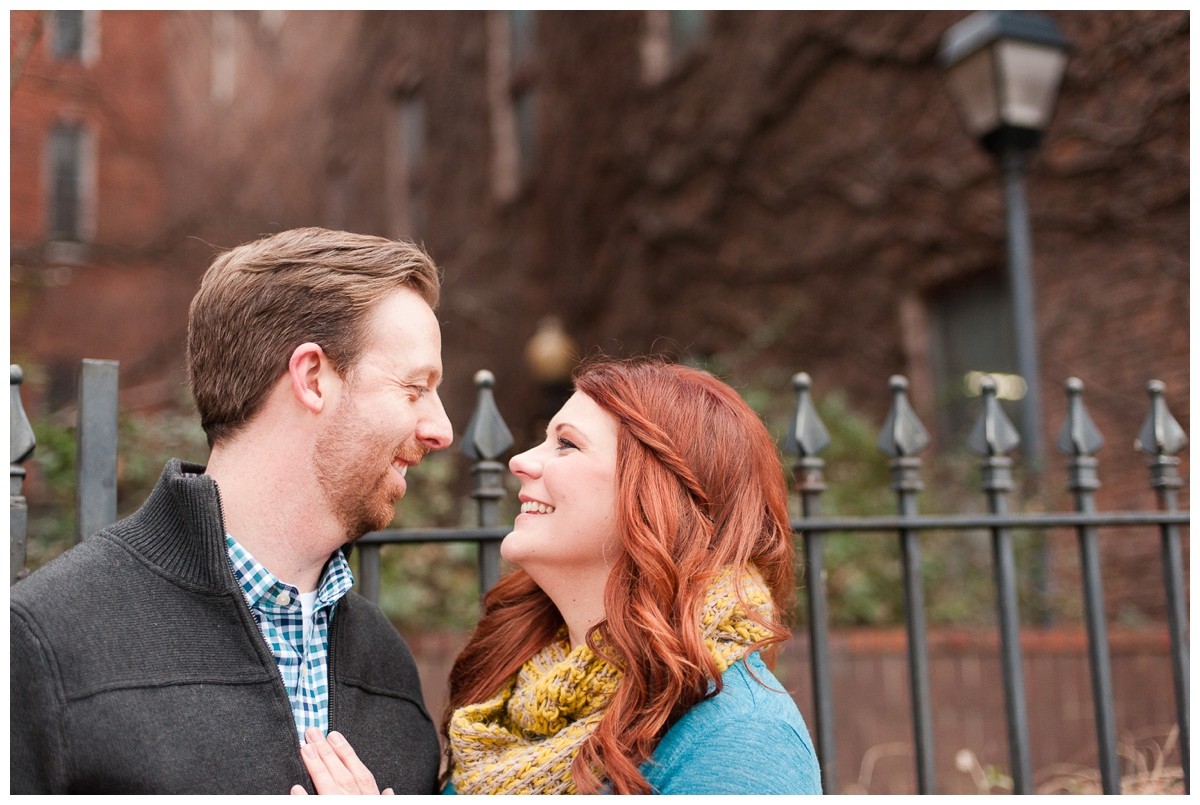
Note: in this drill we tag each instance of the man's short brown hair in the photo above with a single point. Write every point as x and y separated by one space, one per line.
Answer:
260 301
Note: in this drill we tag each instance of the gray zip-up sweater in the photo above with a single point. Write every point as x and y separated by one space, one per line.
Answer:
136 667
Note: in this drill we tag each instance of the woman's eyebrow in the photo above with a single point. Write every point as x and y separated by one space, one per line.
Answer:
558 428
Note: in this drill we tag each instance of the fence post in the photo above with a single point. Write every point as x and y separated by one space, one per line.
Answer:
369 556
96 489
485 440
1162 437
1079 440
806 438
993 437
21 442
903 437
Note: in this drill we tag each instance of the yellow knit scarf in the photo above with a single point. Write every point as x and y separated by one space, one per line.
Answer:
523 740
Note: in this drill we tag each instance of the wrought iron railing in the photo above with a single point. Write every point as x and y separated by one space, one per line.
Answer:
902 439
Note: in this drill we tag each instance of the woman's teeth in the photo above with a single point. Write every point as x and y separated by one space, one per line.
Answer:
533 507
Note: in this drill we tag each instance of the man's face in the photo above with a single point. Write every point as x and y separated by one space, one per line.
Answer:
387 418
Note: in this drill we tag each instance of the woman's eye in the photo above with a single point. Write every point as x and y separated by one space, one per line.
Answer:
566 444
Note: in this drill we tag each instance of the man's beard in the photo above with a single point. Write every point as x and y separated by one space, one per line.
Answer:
353 468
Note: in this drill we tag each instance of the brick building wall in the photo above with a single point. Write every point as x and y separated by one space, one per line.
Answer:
777 191
796 192
109 290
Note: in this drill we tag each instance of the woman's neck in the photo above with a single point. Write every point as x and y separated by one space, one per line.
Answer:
580 601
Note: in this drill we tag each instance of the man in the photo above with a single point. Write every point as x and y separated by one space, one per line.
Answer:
188 648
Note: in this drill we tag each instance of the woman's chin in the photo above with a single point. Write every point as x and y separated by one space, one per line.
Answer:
520 548
509 549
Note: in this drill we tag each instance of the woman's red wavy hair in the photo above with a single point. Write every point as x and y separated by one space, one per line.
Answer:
700 487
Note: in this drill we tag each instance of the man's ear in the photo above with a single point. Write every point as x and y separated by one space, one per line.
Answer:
312 376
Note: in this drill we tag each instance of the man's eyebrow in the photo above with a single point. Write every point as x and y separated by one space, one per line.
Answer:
428 371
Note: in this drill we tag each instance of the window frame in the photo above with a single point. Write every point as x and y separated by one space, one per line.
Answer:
81 228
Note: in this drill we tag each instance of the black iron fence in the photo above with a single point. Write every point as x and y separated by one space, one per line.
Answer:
902 439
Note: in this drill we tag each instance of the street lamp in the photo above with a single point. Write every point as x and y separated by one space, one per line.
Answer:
551 355
1003 69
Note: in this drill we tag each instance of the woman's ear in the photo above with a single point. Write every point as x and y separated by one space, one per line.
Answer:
312 376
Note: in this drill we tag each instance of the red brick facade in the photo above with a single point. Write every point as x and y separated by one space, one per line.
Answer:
112 295
794 193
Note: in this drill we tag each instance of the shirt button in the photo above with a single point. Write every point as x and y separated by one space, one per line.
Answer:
283 599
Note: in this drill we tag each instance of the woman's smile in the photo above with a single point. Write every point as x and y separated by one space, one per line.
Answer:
536 507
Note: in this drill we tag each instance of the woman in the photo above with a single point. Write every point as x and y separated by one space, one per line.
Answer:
626 654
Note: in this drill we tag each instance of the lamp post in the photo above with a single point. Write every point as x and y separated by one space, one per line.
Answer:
551 355
1003 69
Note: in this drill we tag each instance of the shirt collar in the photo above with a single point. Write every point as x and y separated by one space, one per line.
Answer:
264 591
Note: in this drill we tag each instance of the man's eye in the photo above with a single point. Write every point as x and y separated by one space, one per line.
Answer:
420 391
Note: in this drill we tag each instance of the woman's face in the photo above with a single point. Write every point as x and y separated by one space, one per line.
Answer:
567 525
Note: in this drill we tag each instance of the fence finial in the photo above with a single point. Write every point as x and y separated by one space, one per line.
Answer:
485 439
902 433
806 434
487 436
21 440
1161 434
993 434
1079 436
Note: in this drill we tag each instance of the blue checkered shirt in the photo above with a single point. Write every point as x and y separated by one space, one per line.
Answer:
276 607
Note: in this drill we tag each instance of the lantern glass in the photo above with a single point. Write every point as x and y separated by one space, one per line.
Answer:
972 84
1031 74
1007 83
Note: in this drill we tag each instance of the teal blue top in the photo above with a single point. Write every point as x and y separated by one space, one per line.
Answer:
748 739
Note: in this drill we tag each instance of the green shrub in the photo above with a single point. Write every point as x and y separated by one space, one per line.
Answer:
144 443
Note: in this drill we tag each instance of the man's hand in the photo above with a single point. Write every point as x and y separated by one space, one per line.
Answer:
334 767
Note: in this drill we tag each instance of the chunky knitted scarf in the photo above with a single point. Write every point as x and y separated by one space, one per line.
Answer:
524 740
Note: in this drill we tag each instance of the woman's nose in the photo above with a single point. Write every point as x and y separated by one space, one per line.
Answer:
524 463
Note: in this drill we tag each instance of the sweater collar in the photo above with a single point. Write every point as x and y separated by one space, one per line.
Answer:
180 528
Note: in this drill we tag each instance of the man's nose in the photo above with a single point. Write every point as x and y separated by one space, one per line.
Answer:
434 429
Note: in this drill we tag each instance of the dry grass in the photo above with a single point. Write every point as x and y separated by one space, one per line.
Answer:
1144 770
1143 761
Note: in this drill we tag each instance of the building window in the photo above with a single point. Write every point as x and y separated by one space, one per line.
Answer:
62 384
68 34
337 196
525 112
667 39
688 29
68 153
73 35
223 70
522 28
973 335
272 20
512 98
406 166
